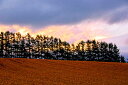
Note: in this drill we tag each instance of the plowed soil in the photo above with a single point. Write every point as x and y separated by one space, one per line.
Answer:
61 72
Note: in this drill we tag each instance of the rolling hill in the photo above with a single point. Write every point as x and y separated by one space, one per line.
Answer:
61 72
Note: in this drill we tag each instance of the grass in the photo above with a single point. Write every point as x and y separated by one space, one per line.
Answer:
60 72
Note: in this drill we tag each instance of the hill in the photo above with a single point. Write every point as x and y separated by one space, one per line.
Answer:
61 72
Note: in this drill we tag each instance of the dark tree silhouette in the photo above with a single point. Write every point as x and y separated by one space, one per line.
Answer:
14 45
95 50
89 50
1 44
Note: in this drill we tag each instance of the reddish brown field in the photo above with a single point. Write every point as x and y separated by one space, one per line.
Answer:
58 72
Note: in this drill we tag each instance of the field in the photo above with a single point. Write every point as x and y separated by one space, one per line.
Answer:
60 72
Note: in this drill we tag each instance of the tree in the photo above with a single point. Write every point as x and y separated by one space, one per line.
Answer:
122 59
22 48
7 43
116 54
28 45
15 45
81 51
95 50
1 44
88 50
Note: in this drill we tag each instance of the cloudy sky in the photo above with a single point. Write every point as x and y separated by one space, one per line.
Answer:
70 20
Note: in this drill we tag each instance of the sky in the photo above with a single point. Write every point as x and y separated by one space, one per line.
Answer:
70 20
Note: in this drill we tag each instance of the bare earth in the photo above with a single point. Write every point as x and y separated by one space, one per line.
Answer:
61 72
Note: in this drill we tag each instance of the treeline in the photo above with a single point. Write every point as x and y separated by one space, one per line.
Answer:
14 45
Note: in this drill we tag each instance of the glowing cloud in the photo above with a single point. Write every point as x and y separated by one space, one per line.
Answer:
15 28
89 29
